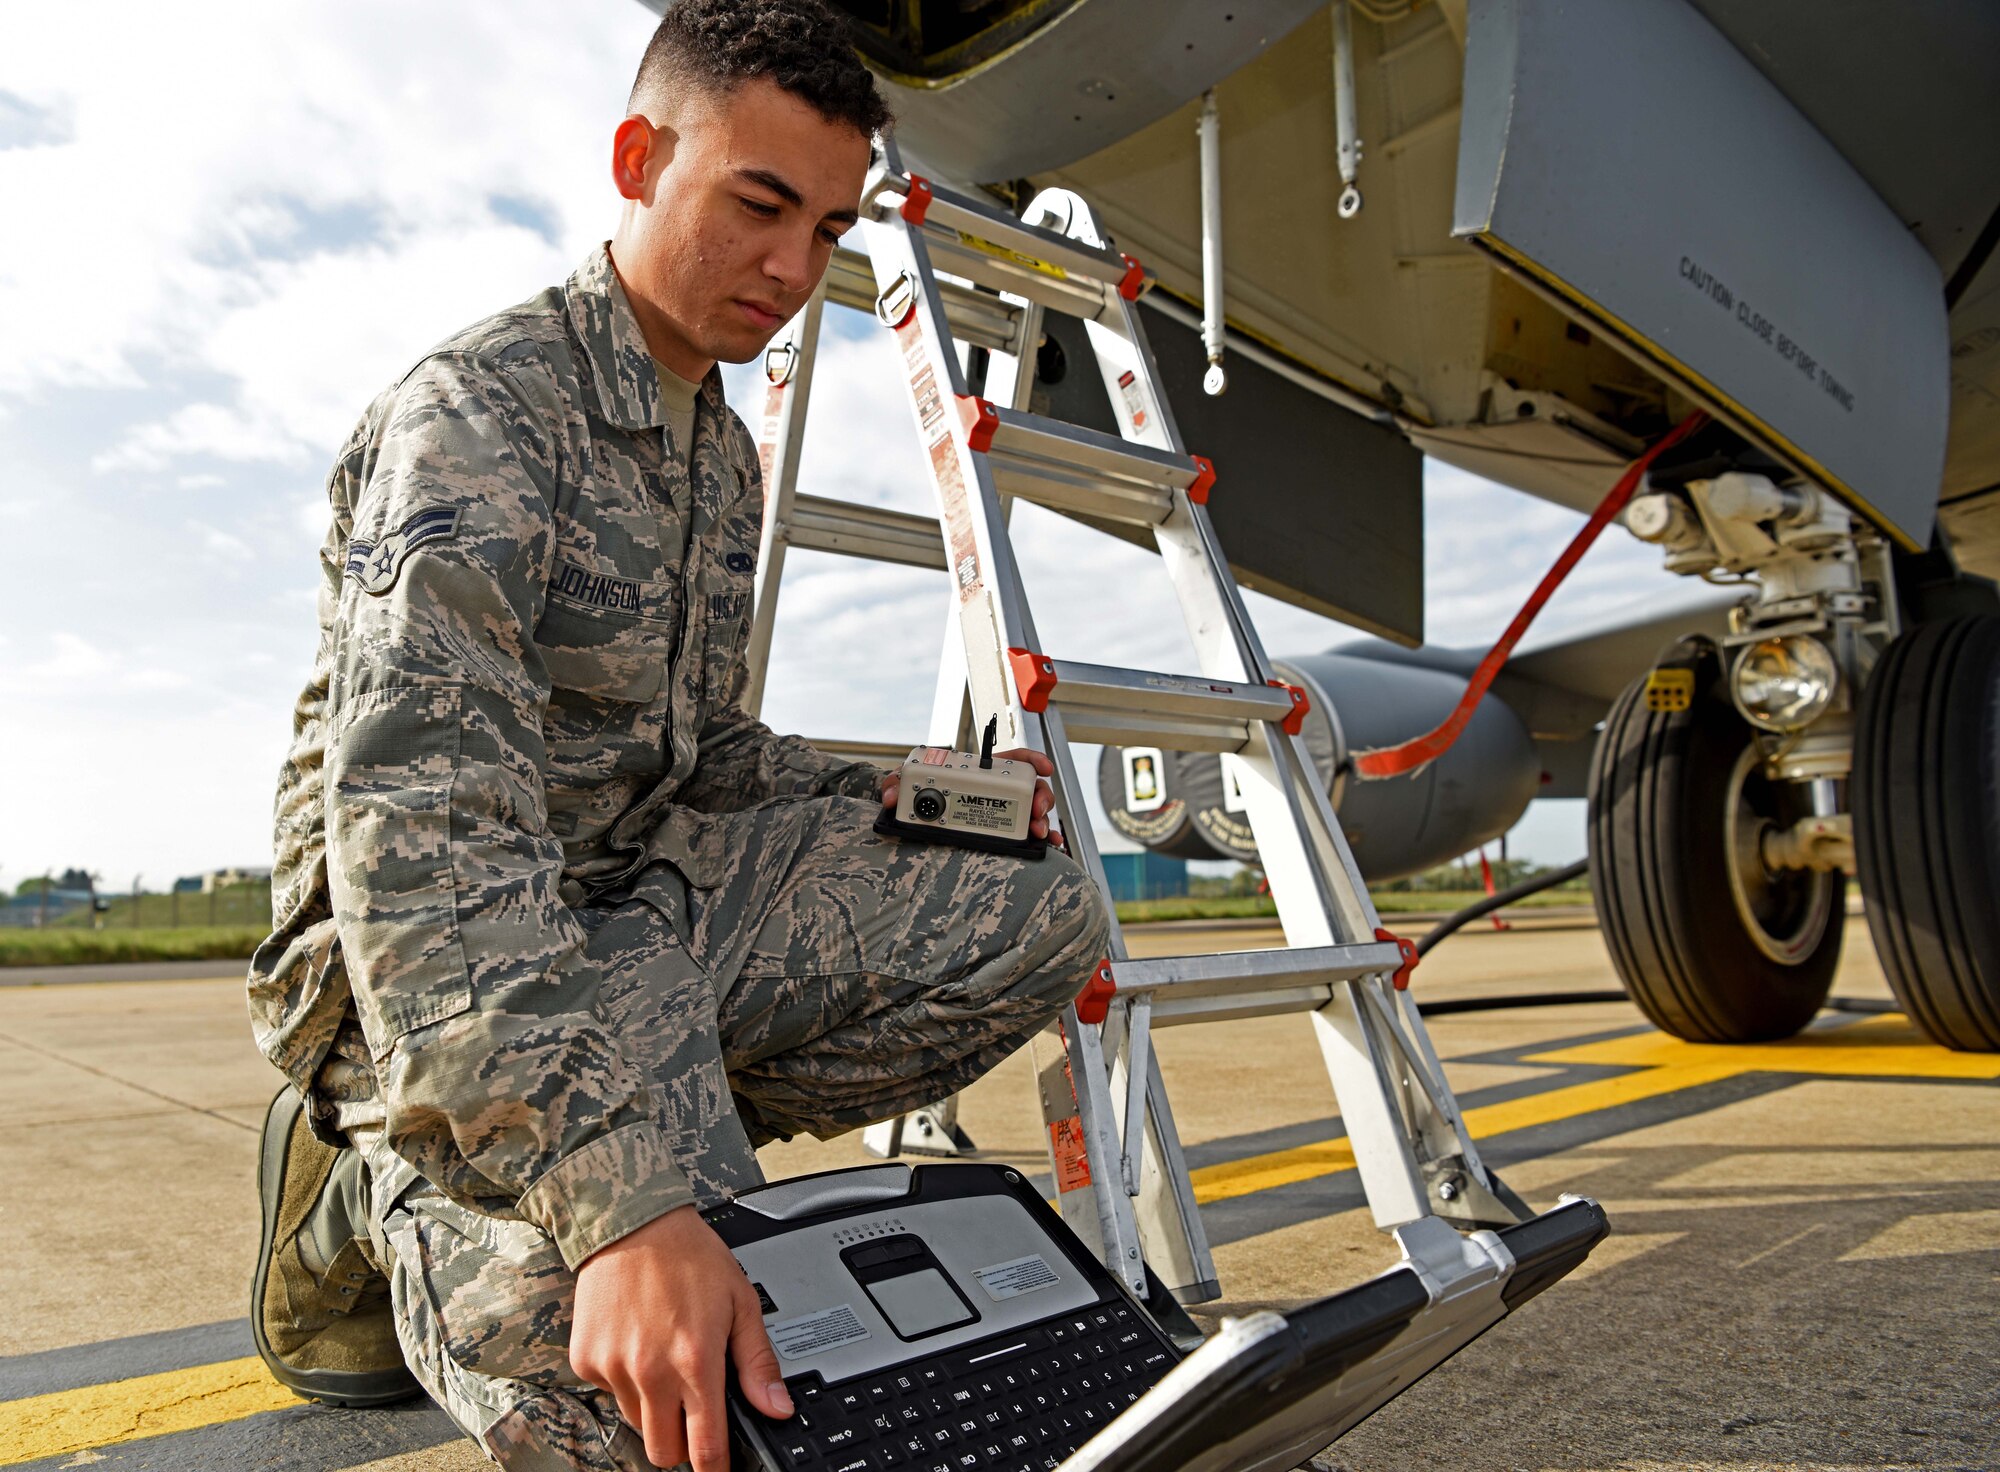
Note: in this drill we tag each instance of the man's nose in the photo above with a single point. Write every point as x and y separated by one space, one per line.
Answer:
790 263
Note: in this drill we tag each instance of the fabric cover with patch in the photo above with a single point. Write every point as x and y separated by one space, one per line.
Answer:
376 565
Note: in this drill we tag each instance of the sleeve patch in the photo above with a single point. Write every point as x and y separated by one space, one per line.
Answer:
377 565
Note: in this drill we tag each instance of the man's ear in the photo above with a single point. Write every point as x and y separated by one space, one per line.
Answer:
639 150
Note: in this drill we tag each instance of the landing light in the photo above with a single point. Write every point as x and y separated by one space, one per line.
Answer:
1784 684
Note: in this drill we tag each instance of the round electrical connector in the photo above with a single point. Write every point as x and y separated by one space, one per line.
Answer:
1784 684
927 805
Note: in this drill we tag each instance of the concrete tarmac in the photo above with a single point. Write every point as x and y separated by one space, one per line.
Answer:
1804 1271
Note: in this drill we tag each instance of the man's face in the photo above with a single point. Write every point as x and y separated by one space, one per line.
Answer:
746 195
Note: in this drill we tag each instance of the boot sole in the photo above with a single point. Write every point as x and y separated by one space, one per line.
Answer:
357 1389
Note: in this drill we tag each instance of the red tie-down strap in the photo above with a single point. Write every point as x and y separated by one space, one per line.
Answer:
1093 1003
1421 751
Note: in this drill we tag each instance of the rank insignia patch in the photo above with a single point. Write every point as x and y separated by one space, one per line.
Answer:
376 565
740 562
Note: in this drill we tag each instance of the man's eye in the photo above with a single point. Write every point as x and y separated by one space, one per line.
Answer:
760 209
831 237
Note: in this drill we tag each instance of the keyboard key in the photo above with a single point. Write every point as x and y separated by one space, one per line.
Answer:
966 1460
992 1418
853 1402
879 1392
840 1439
858 1462
943 1436
910 1413
889 1454
795 1451
881 1423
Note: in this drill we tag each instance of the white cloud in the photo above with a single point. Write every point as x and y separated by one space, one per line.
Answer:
222 544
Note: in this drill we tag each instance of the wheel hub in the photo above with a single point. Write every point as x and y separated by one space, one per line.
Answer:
1785 912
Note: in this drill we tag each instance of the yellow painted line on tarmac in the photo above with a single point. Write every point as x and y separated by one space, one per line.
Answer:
1882 1047
68 1421
1287 1167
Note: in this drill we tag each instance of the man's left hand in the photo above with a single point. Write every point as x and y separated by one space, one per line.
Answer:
1045 798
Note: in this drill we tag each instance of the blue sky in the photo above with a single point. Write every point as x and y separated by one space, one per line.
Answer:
228 224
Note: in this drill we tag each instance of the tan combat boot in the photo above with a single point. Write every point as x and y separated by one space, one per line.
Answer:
319 1305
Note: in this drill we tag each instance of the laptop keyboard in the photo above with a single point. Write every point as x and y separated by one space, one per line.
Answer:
1023 1401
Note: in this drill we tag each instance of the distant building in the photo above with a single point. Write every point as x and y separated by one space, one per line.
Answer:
223 878
1145 876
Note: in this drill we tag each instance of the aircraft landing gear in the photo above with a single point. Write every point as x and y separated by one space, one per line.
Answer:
1927 826
1717 886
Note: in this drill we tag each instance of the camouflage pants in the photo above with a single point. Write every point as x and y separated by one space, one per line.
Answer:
833 978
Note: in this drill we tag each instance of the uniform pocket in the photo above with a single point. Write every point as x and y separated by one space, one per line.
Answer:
604 653
391 761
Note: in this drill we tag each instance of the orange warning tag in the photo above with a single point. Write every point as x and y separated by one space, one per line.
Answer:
1072 1159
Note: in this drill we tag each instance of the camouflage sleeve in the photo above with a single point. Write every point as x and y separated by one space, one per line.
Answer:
741 761
501 1077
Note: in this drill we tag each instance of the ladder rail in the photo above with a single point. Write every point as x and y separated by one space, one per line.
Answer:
781 437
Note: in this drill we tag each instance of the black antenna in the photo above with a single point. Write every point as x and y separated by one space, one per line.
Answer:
986 745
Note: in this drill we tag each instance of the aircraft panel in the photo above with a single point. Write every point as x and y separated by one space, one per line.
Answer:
1629 160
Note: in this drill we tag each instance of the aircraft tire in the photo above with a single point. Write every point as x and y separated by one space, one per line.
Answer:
1926 798
1712 946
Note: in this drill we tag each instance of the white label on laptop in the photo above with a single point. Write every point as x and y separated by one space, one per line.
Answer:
797 1339
1011 1279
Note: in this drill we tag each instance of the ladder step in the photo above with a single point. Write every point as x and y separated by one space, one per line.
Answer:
866 531
882 753
1179 977
1070 468
991 248
1120 707
976 317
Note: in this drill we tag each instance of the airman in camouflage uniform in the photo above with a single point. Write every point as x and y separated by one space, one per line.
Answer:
561 932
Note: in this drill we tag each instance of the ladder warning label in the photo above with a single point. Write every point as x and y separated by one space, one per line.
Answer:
1072 1158
1001 252
1005 1280
811 1334
957 516
961 546
1134 397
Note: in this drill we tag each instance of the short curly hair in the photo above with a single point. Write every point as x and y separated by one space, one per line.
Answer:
805 46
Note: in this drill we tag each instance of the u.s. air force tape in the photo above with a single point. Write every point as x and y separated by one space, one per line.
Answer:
376 565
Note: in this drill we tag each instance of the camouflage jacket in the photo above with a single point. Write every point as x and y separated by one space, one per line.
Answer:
527 686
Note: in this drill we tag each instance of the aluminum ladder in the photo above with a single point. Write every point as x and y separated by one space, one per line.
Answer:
944 269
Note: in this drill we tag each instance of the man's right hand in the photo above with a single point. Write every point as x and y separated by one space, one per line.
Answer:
660 1313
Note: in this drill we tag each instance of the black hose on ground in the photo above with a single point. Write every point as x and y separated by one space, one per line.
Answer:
1492 902
1452 923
